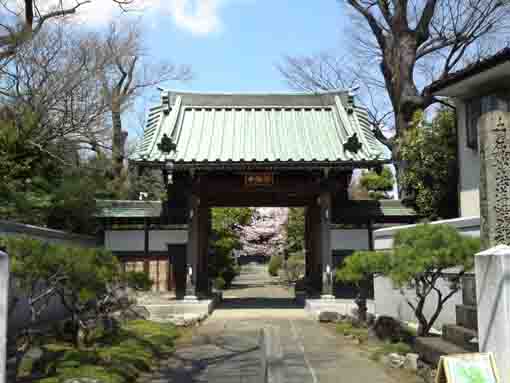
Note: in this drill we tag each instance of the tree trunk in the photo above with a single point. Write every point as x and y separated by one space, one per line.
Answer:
117 140
397 67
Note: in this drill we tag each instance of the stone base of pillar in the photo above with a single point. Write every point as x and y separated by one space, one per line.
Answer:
190 298
328 297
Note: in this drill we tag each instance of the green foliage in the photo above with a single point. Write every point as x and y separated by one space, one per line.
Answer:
138 281
378 183
119 358
226 223
429 249
84 279
27 173
52 185
420 258
275 264
227 220
430 154
295 230
148 181
219 283
295 266
347 329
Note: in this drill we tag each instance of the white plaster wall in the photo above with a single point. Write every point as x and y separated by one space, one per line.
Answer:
390 301
356 239
159 239
383 238
124 240
469 168
133 240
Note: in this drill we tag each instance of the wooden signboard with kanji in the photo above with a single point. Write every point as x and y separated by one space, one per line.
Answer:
258 179
467 368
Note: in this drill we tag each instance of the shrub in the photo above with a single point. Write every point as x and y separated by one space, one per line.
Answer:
275 265
88 282
138 281
422 256
347 329
114 358
295 266
219 283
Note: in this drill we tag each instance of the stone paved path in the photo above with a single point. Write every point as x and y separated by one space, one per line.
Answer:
259 335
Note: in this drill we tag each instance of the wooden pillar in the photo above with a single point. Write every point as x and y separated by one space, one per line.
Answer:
192 247
370 230
308 247
146 267
202 270
315 268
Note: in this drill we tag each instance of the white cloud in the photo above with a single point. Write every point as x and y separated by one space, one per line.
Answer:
200 17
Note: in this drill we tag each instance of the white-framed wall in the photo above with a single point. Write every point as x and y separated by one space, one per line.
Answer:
350 239
383 238
469 167
134 240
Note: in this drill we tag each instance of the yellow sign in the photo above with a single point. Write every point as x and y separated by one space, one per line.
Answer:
467 368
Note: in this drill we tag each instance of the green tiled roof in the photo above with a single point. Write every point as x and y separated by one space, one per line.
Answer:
351 211
128 209
220 128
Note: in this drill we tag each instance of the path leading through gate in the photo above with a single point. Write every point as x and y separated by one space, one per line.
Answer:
260 335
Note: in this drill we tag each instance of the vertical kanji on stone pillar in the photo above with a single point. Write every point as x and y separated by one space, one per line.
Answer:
492 266
495 179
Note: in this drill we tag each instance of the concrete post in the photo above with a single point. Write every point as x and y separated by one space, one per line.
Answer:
4 312
492 269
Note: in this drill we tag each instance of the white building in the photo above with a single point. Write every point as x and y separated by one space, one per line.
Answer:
475 90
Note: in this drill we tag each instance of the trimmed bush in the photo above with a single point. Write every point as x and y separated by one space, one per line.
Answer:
275 264
295 266
219 283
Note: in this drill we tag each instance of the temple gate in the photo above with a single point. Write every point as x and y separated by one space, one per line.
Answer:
243 150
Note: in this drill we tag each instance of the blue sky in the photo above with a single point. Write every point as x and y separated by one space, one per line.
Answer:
240 51
231 45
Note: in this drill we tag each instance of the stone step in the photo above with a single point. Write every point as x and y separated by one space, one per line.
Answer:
466 316
461 336
431 349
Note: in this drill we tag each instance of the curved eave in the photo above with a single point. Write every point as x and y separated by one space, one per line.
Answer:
308 165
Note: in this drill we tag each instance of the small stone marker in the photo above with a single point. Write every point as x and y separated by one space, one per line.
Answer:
466 368
4 311
492 268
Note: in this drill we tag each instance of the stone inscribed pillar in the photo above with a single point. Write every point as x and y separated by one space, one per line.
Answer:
492 268
495 179
4 312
